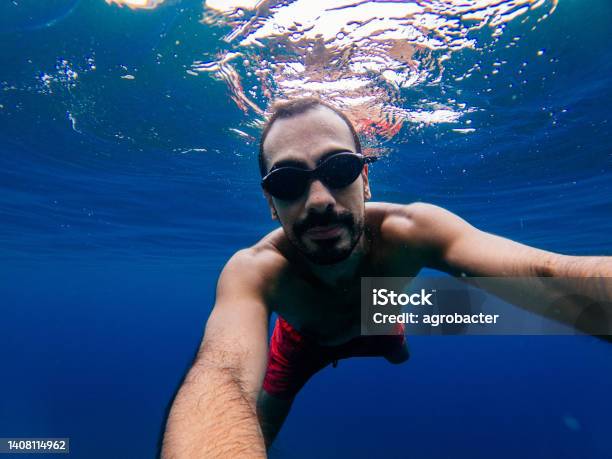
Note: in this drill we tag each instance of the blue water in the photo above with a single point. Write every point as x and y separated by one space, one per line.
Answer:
114 225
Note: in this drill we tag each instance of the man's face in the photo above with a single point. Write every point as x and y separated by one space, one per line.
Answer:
324 224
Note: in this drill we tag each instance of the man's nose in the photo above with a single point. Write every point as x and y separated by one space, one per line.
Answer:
319 197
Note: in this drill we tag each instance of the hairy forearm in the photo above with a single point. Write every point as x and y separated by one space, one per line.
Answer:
570 266
573 290
585 284
213 417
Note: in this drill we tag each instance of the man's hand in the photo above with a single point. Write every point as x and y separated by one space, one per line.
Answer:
214 413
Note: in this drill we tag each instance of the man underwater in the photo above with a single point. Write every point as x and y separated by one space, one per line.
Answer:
238 392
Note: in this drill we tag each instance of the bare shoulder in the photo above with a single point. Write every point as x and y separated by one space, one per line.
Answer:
416 224
253 270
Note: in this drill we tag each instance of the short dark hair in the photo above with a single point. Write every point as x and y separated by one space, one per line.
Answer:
290 108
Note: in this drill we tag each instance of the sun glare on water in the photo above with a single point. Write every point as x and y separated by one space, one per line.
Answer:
361 55
364 57
136 4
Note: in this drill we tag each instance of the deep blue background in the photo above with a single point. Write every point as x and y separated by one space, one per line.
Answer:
113 232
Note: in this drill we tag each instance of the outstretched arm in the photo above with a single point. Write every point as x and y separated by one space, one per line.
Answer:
214 412
446 242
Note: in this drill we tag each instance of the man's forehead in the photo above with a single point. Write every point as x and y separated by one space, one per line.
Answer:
311 133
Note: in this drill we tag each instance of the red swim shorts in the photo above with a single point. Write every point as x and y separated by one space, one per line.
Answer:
294 358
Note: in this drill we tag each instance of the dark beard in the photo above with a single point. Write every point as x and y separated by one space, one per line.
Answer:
327 252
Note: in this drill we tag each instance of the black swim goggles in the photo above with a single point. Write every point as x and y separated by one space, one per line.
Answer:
288 183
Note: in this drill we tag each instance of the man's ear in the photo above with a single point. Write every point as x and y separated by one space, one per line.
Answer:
273 213
366 183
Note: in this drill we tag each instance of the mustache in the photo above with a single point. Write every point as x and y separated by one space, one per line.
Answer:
322 219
